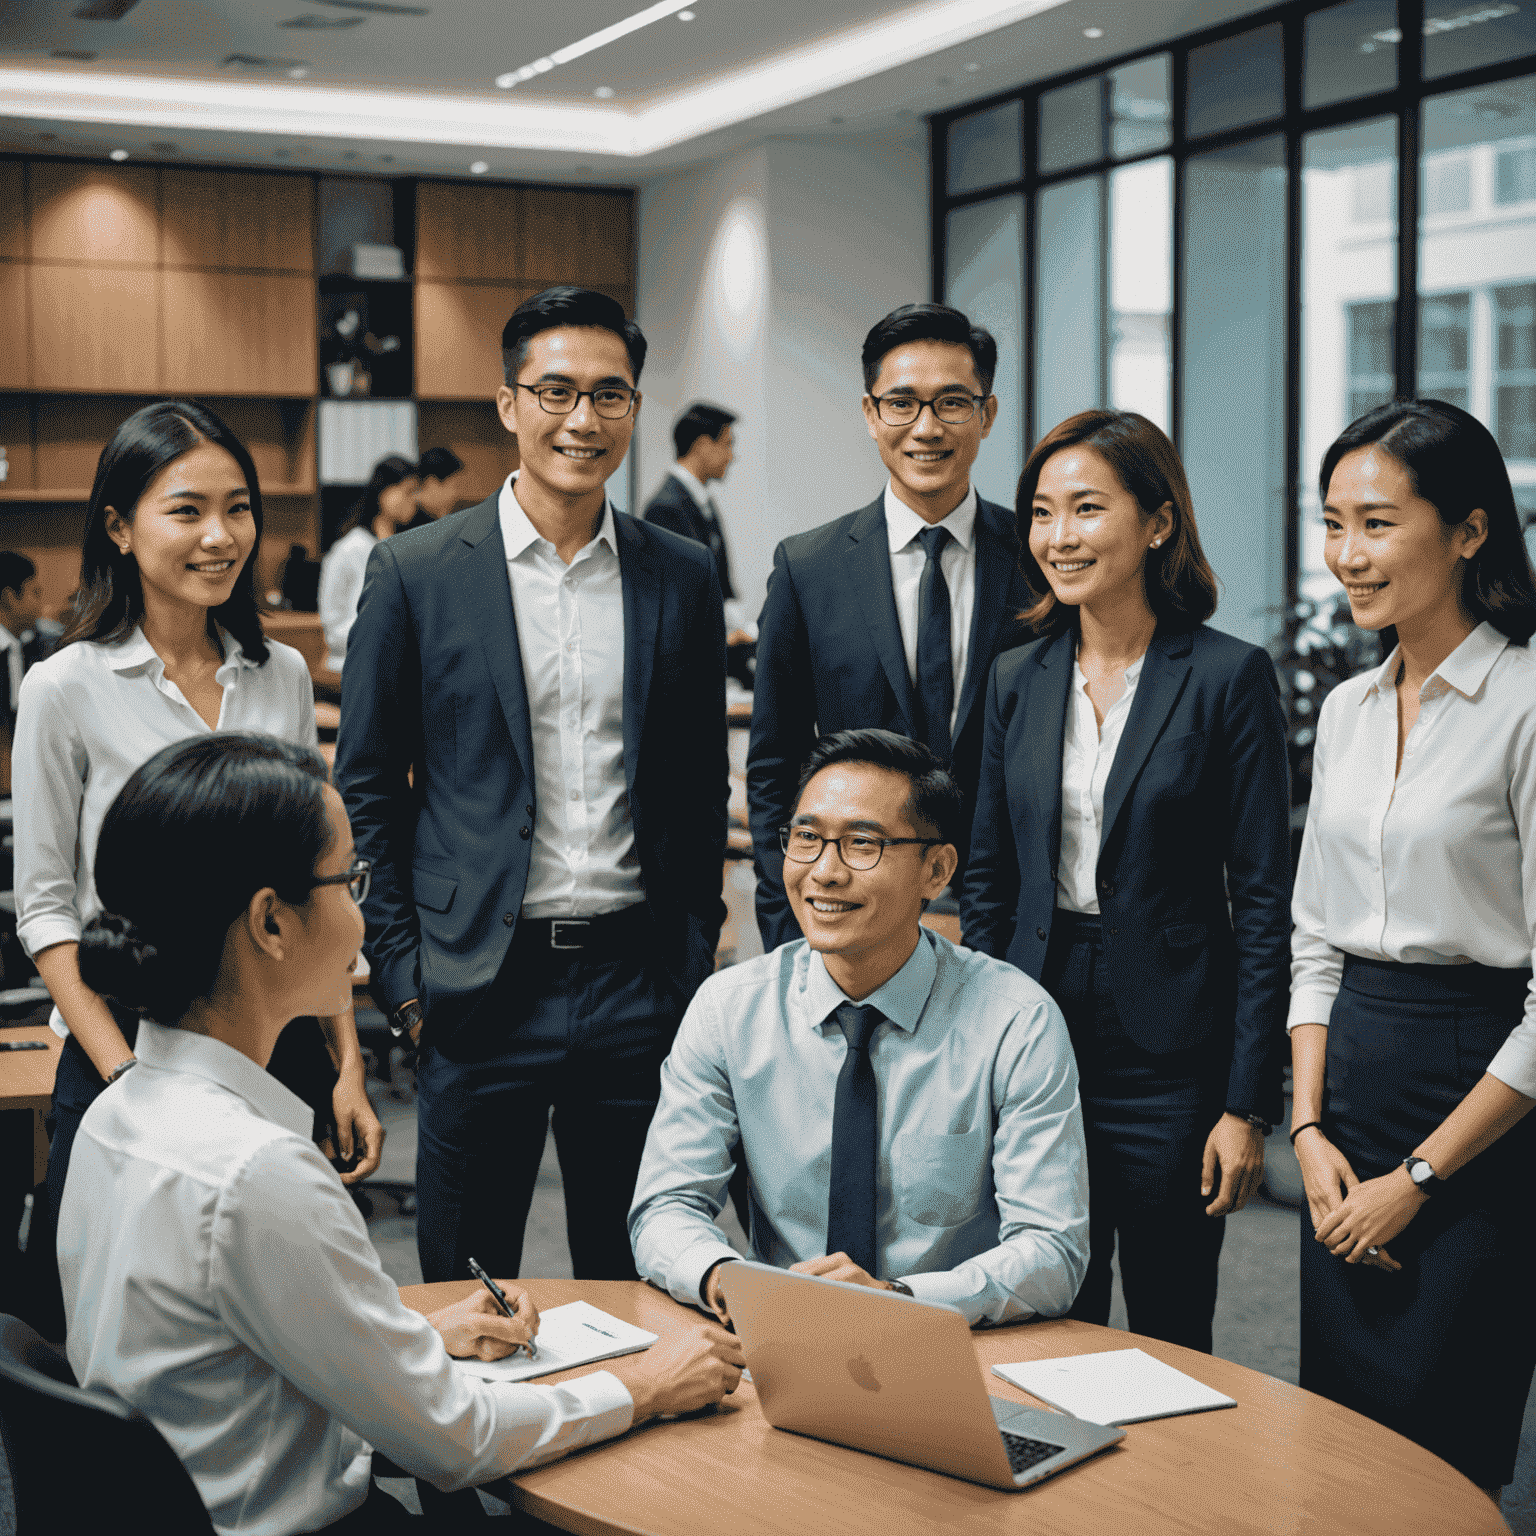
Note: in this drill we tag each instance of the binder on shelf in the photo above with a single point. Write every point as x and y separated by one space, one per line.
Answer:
356 434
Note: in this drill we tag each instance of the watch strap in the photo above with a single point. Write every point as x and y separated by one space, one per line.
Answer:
405 1018
901 1286
1431 1183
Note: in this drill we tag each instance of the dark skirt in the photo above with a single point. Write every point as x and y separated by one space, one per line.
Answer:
1443 1351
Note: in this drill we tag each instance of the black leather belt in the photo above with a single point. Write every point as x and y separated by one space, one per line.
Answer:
608 933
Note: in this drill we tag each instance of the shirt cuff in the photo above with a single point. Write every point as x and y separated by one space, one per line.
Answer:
1310 1005
689 1271
47 929
606 1399
945 1287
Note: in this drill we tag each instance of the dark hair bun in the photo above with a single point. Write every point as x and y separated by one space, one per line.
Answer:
118 962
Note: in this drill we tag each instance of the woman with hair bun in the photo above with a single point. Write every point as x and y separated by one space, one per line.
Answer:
1413 1018
165 643
1131 853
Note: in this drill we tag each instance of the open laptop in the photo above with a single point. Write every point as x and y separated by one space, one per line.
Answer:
885 1373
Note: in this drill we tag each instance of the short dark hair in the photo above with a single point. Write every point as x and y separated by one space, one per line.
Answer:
111 598
1455 465
390 470
1181 586
936 805
15 571
190 838
439 464
564 305
699 420
929 322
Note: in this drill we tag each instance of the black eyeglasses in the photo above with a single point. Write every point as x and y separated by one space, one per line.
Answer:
357 880
953 408
612 401
858 850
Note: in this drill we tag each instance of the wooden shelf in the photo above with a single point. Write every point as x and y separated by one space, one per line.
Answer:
49 495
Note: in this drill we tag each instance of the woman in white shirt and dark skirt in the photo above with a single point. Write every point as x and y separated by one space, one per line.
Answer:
165 643
1131 853
1413 1022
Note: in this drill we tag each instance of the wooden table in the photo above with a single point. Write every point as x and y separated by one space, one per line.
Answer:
1283 1460
26 1082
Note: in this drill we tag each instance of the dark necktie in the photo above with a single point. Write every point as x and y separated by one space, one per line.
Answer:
935 669
855 1140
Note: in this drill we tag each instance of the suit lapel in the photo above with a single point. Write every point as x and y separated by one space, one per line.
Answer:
1047 707
996 561
869 572
1163 676
488 600
640 578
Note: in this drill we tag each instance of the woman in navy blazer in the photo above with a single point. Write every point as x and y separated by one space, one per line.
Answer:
1131 852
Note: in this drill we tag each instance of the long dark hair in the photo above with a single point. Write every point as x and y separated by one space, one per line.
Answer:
191 837
1455 465
111 597
390 470
1181 586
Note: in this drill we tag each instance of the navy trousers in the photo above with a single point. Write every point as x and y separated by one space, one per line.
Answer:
581 1033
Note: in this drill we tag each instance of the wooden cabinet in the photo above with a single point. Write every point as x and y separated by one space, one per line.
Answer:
458 338
15 355
239 333
94 328
220 220
13 210
576 237
469 233
95 214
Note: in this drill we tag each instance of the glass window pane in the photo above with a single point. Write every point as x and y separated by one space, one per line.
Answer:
1234 416
1072 125
1140 107
984 277
1348 304
1141 288
1466 34
1349 50
1235 81
986 148
1069 281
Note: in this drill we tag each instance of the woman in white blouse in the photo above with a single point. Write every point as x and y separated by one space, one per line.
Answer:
165 643
388 504
1412 1019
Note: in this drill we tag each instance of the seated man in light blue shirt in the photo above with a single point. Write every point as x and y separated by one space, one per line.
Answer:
928 1141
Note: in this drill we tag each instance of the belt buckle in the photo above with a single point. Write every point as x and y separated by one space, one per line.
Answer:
557 923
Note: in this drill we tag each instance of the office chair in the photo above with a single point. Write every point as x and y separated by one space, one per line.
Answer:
82 1461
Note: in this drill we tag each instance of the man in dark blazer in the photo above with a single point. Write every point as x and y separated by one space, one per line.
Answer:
705 444
893 615
532 753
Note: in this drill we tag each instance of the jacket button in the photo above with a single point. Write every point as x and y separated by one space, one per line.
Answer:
1040 933
509 918
522 832
528 809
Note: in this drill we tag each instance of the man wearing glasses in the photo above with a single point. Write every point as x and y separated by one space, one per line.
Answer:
907 1110
533 758
893 615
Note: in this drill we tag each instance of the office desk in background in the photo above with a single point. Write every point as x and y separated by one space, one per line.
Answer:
1283 1460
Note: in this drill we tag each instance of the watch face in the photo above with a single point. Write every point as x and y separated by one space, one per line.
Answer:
1420 1172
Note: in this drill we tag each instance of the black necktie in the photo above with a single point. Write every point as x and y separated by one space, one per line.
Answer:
935 670
855 1139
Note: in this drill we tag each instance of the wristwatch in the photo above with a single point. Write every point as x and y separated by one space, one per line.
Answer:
1422 1175
1258 1122
901 1286
404 1019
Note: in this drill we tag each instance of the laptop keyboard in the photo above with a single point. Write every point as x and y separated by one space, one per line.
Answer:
1024 1453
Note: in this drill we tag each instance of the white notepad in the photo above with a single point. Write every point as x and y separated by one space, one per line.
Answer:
1119 1386
572 1335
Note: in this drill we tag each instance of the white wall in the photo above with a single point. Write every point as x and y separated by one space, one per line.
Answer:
758 277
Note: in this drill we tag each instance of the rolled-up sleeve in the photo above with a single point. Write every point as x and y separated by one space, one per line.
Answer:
1514 1064
1316 966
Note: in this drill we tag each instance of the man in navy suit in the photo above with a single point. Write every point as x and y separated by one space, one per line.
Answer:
893 615
705 445
532 752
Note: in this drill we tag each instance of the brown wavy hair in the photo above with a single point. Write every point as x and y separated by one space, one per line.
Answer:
1181 586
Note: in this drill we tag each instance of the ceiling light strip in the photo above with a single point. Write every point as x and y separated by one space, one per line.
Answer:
651 13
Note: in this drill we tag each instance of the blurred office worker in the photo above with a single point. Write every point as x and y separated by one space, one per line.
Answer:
439 485
893 615
1413 1021
1131 852
532 751
705 444
216 1274
906 1109
21 607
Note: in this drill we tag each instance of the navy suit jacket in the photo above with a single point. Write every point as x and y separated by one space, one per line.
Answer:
434 757
830 658
673 507
1194 871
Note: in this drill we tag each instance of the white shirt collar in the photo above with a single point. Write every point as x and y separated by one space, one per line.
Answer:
134 650
1132 672
1466 669
517 533
691 483
902 524
7 639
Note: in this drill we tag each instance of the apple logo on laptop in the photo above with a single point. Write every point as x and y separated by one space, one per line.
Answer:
863 1373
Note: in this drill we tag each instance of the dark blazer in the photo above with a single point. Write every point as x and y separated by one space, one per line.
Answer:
433 687
830 658
1196 824
673 507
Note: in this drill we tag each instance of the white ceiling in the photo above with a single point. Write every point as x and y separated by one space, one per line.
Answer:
410 94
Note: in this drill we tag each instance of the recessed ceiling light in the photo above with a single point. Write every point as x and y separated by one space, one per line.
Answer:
603 92
685 15
1093 32
118 154
298 74
479 168
972 67
590 43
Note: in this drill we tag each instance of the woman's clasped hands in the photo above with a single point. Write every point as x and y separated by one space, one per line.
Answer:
1354 1220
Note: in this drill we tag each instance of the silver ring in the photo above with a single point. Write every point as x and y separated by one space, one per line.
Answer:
1373 1251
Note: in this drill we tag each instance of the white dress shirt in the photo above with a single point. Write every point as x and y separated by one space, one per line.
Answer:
982 1193
1087 754
1439 866
570 629
90 715
958 562
218 1277
14 661
341 588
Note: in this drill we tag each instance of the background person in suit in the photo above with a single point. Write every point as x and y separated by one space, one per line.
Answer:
893 615
1133 784
532 751
439 484
21 609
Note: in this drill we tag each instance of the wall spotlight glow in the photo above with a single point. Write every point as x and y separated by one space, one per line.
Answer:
685 15
604 92
1094 32
118 155
590 43
479 168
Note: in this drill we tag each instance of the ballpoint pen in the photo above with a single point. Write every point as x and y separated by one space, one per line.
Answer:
499 1296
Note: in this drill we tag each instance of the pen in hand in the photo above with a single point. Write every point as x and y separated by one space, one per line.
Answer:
499 1296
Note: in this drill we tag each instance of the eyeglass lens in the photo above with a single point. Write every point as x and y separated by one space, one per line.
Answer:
901 410
857 850
560 400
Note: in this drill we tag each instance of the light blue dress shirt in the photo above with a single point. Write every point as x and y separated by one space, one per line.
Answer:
983 1182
